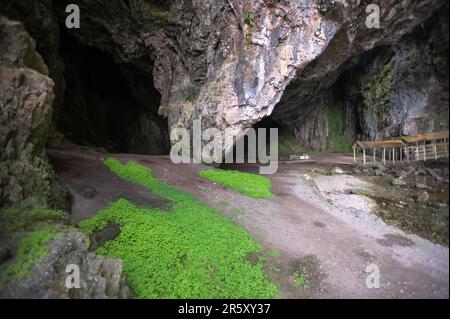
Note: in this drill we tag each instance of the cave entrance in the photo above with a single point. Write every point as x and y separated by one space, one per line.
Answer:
109 105
288 144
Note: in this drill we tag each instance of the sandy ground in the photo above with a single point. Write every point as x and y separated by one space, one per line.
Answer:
307 222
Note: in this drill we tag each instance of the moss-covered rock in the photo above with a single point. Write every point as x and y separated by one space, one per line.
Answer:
37 245
376 91
337 141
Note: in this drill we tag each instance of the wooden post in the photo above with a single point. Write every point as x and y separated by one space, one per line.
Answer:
364 156
354 155
393 155
407 154
435 150
401 154
425 151
417 151
446 147
384 156
374 155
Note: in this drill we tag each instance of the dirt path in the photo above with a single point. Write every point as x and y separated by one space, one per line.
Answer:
306 233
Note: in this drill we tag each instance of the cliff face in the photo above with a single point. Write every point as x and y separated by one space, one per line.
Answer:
313 66
230 61
392 90
26 97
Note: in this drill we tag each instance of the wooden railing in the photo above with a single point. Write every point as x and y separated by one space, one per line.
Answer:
425 152
413 148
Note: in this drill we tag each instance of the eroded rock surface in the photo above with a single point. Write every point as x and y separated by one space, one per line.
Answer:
396 89
100 277
231 62
26 97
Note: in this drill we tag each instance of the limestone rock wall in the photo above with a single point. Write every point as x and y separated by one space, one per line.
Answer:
231 61
392 90
234 62
26 97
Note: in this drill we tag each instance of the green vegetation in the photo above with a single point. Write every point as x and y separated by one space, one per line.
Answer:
34 228
248 184
144 7
301 282
249 18
273 270
363 193
190 252
289 145
14 218
429 222
273 253
336 125
190 98
32 249
377 91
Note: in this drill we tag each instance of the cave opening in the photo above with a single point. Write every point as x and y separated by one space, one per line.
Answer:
288 142
108 105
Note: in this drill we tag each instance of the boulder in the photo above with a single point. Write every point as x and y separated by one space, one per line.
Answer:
337 171
378 172
379 167
398 182
440 205
26 97
100 277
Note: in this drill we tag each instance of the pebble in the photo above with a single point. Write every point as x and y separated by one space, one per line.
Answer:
398 182
337 170
440 205
378 173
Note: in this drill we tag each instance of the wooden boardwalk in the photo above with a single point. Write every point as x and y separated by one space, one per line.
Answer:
422 147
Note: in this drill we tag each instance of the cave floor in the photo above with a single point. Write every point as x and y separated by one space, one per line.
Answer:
299 228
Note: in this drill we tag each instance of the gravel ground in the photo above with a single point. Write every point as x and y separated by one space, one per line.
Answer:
357 210
334 242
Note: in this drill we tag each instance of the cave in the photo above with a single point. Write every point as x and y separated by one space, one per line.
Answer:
355 206
108 105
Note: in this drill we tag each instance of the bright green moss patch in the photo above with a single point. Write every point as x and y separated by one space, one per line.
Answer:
189 252
248 184
35 228
32 249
